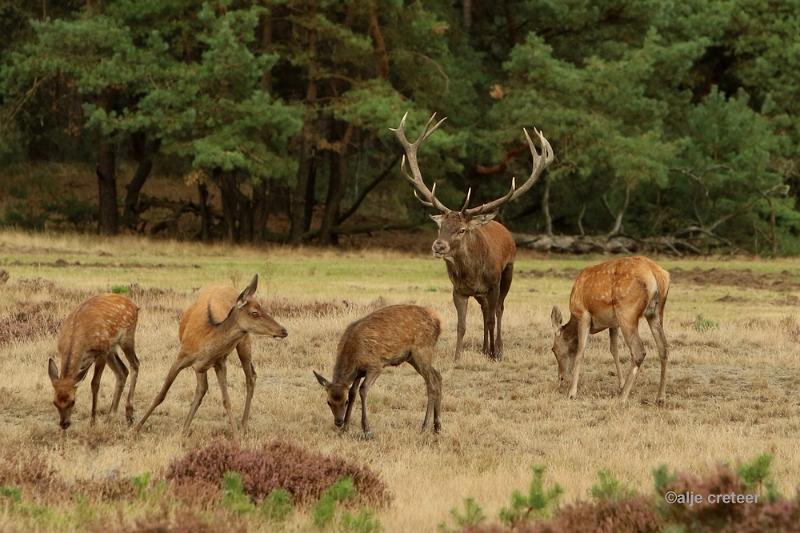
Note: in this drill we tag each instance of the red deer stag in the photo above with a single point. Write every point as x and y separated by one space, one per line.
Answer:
613 295
478 251
388 337
217 321
90 335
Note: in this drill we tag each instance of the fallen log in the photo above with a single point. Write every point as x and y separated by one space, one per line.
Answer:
603 244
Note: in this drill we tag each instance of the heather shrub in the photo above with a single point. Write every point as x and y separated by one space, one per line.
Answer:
538 501
305 475
472 515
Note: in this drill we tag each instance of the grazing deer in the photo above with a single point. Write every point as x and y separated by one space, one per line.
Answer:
388 337
613 295
478 251
90 335
217 321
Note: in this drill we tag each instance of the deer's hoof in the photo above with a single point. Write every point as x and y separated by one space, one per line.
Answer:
366 435
573 395
661 402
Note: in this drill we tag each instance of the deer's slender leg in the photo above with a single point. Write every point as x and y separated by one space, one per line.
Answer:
461 309
222 378
199 393
99 366
583 335
351 398
613 336
492 298
244 349
433 381
505 285
369 379
484 303
630 332
177 366
130 354
121 373
657 329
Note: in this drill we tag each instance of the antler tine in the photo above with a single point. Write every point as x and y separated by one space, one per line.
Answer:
422 193
466 200
540 162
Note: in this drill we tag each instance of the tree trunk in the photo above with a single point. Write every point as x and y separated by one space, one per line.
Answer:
333 200
260 210
548 220
467 14
205 213
108 223
230 200
143 153
311 188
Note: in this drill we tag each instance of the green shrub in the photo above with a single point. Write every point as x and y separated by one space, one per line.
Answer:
609 488
756 476
662 477
121 289
472 515
141 483
537 502
363 522
702 324
234 497
277 505
12 494
325 508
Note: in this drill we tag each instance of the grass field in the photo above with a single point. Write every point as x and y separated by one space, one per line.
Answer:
732 390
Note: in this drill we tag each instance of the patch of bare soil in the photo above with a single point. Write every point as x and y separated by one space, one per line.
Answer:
28 322
63 263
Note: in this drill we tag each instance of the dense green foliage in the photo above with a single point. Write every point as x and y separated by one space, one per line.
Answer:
666 118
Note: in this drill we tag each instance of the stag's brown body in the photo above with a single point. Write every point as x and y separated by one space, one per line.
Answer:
614 295
90 335
478 251
388 337
219 320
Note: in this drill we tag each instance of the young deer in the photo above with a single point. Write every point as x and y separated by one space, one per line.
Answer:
388 337
613 295
90 335
210 328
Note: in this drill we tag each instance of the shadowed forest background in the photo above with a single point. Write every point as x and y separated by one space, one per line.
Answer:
674 124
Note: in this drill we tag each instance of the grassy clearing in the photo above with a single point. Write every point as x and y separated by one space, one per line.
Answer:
731 392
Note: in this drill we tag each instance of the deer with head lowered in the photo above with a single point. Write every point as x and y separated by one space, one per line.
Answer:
218 320
387 337
478 251
90 336
613 295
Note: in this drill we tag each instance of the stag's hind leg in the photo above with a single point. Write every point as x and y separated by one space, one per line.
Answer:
505 285
176 368
484 303
630 332
244 349
613 337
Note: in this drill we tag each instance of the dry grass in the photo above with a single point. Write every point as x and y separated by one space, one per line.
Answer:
731 394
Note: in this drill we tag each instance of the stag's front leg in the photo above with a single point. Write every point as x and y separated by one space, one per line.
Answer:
244 349
99 366
491 321
461 310
365 385
484 303
351 398
583 337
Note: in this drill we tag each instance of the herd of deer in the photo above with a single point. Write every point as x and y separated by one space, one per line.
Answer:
479 254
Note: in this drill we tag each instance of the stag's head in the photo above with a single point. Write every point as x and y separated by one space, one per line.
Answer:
64 389
337 398
565 345
455 226
253 318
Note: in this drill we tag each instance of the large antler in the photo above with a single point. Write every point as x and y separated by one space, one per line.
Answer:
428 197
540 162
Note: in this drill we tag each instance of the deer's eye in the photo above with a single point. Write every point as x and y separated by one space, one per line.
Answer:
254 314
70 404
461 231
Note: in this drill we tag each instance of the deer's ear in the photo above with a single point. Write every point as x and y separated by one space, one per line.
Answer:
480 220
437 219
248 292
555 318
82 374
322 381
52 370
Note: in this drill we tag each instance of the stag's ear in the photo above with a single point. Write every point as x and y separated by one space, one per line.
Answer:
52 370
555 318
480 220
82 374
248 292
437 219
322 381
